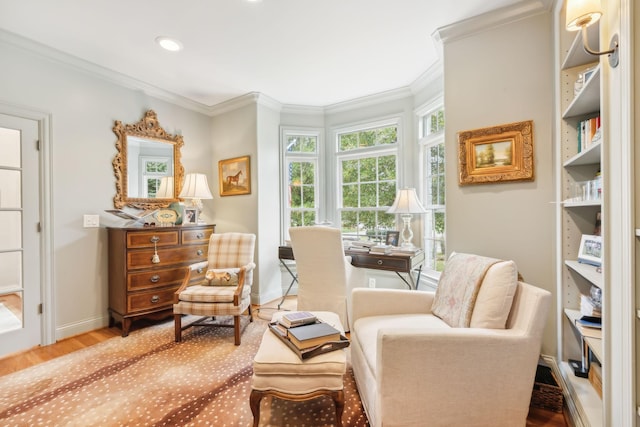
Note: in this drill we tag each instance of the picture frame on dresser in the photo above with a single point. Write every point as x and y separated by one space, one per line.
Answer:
190 216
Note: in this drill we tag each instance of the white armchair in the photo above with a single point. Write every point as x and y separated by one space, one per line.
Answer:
325 275
413 369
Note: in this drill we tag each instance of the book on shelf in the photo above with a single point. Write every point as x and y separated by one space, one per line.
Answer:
313 335
588 133
297 318
362 249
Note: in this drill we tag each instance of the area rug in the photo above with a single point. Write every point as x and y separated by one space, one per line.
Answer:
146 379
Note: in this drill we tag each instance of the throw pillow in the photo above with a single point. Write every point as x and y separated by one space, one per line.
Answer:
458 288
221 278
496 296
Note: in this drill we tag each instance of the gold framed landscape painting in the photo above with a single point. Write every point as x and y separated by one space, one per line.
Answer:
496 154
234 176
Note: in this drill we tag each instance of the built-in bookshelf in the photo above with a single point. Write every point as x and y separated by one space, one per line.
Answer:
580 205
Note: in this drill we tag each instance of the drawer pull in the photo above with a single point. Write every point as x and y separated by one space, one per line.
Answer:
379 262
200 236
155 278
155 299
200 252
154 239
200 270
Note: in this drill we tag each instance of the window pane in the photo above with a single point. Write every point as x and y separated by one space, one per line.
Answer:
293 144
10 232
309 218
348 141
10 271
367 138
309 144
10 149
308 173
368 195
368 169
350 196
388 135
308 199
10 189
385 135
387 193
349 222
349 171
387 167
295 193
296 219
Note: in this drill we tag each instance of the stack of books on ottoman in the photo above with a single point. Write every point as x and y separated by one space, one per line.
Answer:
307 335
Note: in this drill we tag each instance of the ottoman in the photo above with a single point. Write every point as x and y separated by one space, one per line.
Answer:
279 372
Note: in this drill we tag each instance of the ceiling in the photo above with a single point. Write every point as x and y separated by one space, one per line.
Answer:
300 52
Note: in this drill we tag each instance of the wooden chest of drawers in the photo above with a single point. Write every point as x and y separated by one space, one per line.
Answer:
140 287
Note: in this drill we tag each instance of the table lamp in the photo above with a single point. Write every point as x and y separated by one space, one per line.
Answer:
407 204
165 191
196 188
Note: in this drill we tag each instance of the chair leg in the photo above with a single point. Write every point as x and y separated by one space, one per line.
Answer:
236 329
177 320
250 314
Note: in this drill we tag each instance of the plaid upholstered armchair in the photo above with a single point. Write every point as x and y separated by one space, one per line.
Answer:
226 290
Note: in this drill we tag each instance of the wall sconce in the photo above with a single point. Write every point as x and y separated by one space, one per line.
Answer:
581 14
196 188
406 204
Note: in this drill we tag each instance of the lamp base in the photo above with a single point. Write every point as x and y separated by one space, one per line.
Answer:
407 234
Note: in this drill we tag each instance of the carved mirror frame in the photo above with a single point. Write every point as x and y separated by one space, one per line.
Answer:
147 128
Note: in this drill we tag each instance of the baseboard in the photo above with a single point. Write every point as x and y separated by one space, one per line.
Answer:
84 326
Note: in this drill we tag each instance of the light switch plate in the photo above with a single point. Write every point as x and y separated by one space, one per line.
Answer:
91 221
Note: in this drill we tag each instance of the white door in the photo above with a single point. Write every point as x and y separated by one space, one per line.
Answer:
20 283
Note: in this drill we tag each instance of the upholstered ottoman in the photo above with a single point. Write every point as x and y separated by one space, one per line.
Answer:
279 372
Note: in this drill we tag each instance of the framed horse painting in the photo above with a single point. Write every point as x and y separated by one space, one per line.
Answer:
234 176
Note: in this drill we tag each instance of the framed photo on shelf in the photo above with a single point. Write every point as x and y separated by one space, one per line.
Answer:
392 238
496 154
234 176
590 251
190 216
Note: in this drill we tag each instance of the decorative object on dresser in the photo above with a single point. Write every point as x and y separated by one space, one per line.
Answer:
147 167
227 288
140 287
496 154
195 188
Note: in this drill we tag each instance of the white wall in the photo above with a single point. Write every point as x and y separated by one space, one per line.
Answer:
83 109
504 75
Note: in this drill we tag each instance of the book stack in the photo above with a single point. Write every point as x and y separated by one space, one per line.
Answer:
381 249
359 246
404 250
590 324
307 335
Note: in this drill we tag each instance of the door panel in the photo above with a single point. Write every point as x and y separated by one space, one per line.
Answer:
20 284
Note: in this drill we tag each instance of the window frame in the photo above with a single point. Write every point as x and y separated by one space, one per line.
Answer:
285 159
359 153
427 140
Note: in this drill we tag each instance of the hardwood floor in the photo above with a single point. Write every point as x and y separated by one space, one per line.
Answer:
537 417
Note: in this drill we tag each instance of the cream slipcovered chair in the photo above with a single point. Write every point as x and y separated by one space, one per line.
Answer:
227 289
325 275
465 355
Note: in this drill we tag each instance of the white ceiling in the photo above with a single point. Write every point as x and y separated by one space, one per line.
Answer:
304 52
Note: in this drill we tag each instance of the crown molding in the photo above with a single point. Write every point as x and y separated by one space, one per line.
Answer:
430 76
491 19
369 100
95 70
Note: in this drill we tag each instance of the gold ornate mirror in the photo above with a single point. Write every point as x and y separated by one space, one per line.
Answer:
148 170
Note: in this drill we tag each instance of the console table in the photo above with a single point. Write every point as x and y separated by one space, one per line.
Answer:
398 263
146 267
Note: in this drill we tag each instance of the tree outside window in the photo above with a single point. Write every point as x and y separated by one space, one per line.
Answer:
301 160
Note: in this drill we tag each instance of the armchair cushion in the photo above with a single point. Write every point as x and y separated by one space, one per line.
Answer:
496 296
458 288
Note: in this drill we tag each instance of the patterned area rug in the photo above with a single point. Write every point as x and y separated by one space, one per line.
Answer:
146 379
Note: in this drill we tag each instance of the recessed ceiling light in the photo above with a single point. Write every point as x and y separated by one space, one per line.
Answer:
169 44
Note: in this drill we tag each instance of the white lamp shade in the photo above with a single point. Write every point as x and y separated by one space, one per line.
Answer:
582 13
196 187
166 188
406 202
